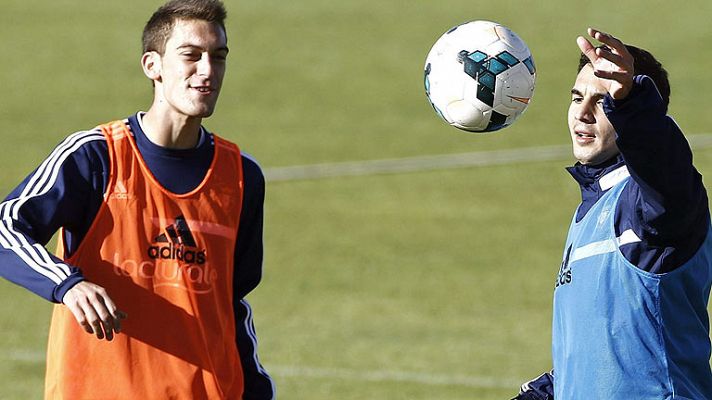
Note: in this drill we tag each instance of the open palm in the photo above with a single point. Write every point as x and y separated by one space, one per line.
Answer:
612 62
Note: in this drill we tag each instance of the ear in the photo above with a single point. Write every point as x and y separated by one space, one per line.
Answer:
151 63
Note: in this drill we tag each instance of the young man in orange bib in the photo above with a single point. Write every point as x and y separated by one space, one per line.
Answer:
161 236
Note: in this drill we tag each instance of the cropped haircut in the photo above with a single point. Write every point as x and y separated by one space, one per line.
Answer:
644 63
158 29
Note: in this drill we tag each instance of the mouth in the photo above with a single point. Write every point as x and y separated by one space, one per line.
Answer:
203 90
583 137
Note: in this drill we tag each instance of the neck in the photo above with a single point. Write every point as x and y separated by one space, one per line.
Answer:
171 130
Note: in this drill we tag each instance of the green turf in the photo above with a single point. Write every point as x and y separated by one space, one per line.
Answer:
432 285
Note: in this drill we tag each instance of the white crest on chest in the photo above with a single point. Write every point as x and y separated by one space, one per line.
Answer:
603 216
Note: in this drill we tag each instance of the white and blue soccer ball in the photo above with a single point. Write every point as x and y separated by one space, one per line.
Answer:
479 76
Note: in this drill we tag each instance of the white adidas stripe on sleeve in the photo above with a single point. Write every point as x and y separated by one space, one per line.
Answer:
44 178
250 328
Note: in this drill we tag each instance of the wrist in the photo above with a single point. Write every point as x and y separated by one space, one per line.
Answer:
61 290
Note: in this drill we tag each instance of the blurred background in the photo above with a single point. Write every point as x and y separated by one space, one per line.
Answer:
428 284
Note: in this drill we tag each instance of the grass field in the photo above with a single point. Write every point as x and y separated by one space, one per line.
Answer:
425 285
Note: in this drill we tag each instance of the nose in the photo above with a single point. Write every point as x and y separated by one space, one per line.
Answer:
205 65
584 113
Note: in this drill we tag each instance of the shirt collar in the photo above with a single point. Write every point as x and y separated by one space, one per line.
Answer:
612 178
601 177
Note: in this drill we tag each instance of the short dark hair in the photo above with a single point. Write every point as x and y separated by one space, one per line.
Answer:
158 29
644 64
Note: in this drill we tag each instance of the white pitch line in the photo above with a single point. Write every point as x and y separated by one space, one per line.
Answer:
24 355
436 162
396 376
475 381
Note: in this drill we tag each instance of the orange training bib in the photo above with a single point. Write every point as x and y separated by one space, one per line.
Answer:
167 260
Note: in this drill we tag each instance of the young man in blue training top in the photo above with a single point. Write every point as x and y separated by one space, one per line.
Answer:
630 314
68 189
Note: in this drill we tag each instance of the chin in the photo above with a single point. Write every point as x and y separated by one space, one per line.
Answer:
205 113
581 156
198 109
585 157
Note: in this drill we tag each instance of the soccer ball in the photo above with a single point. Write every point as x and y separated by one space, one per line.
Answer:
479 76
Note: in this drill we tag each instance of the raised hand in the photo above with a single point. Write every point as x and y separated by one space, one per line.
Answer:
613 65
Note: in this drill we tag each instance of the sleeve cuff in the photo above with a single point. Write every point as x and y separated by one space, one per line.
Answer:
67 284
643 94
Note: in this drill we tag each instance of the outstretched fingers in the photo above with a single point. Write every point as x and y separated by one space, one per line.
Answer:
612 62
609 40
615 51
587 49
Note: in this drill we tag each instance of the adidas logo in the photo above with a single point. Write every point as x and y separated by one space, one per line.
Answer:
172 244
120 191
565 273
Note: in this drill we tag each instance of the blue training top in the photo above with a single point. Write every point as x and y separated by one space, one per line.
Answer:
623 333
630 316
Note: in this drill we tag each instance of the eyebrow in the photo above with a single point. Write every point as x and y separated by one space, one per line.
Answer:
194 47
577 92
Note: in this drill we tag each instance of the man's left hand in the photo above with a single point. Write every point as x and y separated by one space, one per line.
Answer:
613 64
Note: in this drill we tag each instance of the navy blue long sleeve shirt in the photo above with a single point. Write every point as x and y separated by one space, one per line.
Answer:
665 203
67 191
